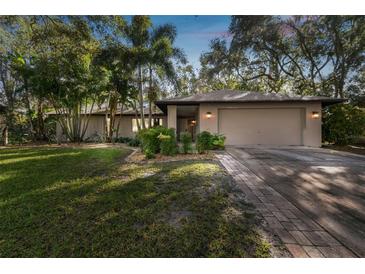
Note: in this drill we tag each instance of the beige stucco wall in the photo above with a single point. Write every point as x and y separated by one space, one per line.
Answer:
97 126
311 128
172 116
125 126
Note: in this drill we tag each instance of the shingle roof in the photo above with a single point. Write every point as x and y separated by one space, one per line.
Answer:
237 96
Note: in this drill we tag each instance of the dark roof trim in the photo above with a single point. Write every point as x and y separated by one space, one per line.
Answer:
325 102
240 96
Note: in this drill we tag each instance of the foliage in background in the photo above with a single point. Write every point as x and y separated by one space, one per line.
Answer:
342 124
72 64
305 55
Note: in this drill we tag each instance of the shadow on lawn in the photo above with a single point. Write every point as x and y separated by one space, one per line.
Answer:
125 211
38 170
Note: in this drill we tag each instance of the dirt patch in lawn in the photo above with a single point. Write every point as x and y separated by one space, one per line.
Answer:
139 158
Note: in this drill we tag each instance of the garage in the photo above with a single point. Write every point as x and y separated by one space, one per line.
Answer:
261 126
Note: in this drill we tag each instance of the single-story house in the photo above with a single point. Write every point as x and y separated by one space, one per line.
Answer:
250 118
245 118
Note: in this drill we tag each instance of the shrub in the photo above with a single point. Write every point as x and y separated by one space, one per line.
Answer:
95 138
342 124
122 139
217 141
133 142
149 154
150 142
203 141
185 138
168 143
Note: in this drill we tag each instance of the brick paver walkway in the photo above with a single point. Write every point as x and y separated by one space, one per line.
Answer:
300 234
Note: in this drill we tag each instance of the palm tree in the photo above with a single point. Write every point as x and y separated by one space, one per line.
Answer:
115 61
138 34
161 55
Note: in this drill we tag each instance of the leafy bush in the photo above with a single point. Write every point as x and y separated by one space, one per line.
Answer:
168 143
342 124
206 141
186 139
149 154
217 141
203 141
150 142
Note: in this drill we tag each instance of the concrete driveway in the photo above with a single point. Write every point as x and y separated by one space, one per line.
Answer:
326 185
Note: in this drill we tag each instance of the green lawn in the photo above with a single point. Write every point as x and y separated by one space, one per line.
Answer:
65 202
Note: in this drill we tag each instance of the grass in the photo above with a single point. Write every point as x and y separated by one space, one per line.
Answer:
87 203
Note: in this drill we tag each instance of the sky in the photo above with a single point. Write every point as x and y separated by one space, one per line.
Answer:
194 33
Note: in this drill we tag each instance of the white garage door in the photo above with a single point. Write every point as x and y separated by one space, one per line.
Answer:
261 126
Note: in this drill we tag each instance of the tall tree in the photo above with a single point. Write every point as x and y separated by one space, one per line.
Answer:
161 55
65 72
115 60
138 34
316 53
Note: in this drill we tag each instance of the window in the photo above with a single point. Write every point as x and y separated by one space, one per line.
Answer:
155 122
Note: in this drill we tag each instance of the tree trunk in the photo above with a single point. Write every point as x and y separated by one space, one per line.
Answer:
143 124
112 111
29 111
136 116
5 136
120 118
149 99
41 134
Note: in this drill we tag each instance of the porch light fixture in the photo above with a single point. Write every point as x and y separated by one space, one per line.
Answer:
315 114
208 115
193 122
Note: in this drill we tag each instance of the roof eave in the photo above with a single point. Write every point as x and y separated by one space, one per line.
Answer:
162 104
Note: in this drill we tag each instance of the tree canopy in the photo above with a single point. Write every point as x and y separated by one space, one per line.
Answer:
313 55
